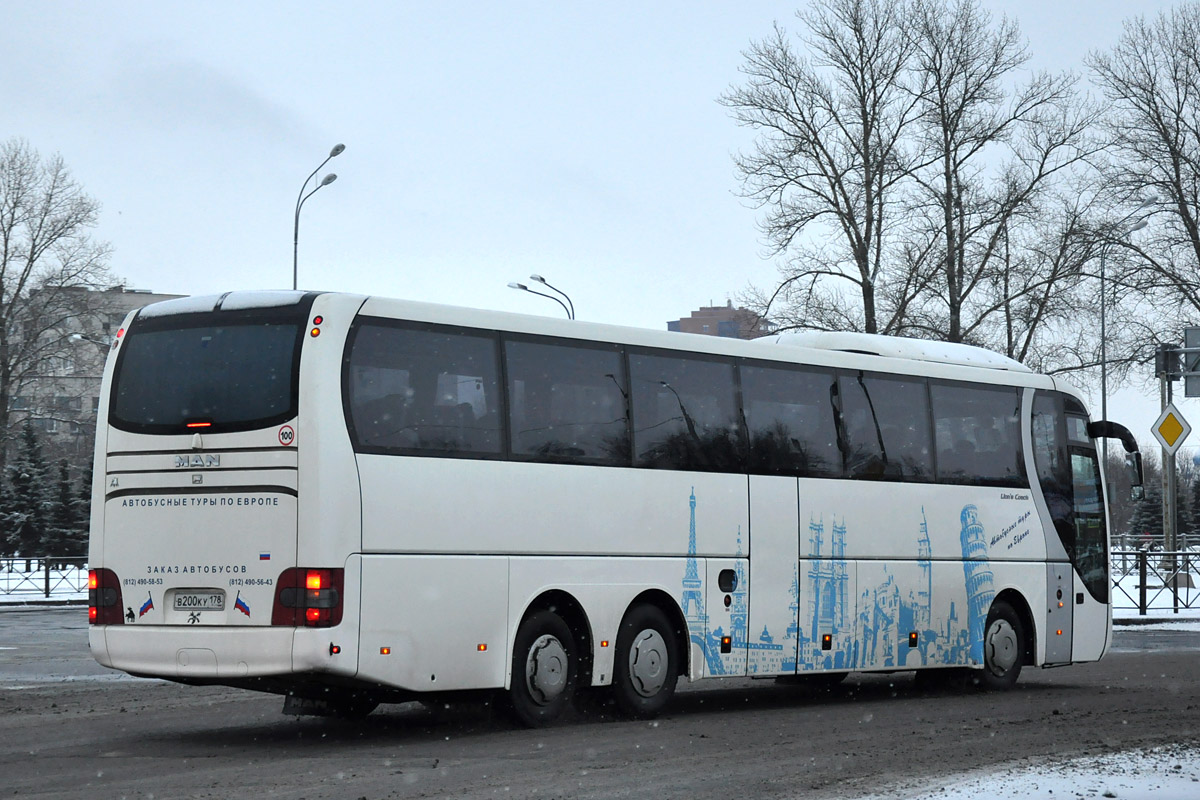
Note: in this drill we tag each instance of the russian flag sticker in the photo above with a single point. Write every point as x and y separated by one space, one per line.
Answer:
264 556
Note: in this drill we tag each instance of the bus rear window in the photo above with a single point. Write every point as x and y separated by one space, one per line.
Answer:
233 375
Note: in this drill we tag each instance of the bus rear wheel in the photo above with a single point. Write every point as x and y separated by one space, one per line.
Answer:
1003 647
647 665
543 669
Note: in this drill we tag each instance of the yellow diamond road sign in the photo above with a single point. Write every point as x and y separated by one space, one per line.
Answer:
1171 428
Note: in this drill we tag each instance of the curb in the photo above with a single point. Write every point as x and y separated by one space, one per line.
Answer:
29 605
1136 621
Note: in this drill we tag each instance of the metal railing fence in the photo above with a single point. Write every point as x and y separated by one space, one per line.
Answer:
1160 581
1142 581
43 575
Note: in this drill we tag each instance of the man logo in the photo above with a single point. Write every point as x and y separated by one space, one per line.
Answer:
197 461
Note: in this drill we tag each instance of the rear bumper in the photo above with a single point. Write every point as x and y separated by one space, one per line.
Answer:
214 653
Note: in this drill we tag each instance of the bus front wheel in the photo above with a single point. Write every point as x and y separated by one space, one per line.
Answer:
1003 647
646 668
543 669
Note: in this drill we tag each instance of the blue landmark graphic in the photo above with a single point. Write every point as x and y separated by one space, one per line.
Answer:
764 651
872 632
693 601
828 580
979 578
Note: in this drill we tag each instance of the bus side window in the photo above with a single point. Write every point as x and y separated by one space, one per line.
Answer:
566 402
789 418
977 433
419 388
685 414
886 423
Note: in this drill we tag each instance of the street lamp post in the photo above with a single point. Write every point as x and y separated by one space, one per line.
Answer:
1121 233
568 307
541 280
300 198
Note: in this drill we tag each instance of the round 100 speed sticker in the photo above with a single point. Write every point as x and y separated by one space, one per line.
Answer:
287 435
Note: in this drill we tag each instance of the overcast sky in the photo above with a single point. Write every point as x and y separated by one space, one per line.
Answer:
484 141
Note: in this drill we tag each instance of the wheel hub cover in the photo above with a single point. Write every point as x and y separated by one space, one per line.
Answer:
546 669
648 663
1001 647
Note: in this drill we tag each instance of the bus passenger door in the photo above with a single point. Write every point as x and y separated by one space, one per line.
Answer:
1078 617
1092 621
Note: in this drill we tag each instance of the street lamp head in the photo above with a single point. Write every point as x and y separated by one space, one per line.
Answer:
79 337
328 179
538 278
1137 226
515 285
337 150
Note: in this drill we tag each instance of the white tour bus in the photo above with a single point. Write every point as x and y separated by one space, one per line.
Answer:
350 500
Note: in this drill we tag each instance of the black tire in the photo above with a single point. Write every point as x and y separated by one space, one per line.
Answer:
1003 647
647 663
543 670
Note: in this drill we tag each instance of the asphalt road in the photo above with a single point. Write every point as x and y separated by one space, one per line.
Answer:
70 728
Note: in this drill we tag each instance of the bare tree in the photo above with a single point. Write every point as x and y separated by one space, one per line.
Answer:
911 186
1041 314
47 260
829 159
1151 79
995 153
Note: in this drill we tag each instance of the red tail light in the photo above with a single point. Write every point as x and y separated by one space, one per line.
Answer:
104 598
306 597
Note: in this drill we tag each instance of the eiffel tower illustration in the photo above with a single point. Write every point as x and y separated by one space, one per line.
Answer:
693 600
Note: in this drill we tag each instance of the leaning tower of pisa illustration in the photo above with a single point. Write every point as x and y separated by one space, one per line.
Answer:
978 573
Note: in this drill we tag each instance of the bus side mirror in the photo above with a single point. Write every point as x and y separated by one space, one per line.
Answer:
1133 464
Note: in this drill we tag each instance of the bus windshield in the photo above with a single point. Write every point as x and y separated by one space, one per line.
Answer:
218 372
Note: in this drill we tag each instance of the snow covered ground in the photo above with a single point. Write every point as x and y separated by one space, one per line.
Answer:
1162 773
